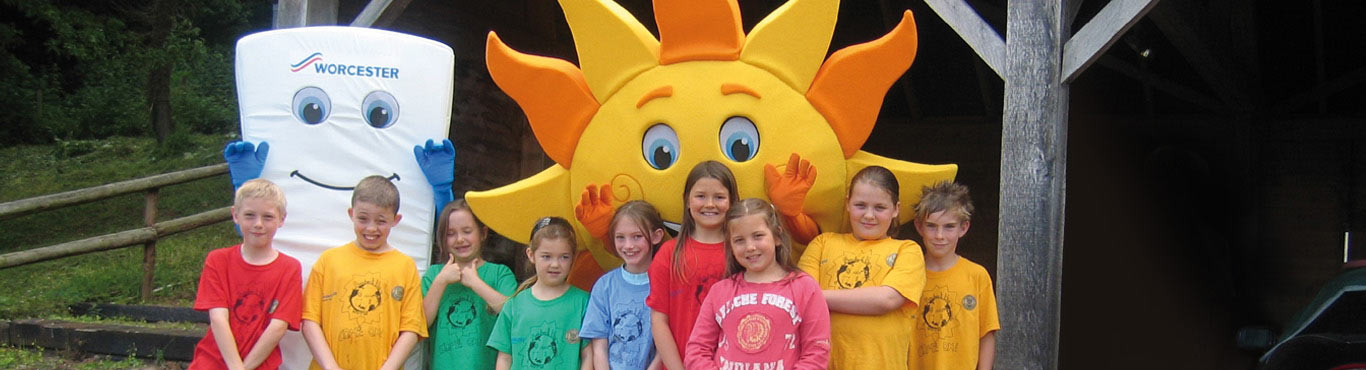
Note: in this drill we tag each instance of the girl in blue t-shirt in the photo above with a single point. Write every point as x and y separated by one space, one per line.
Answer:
617 321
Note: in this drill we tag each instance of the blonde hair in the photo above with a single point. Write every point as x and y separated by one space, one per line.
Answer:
782 252
945 196
260 189
643 215
549 228
443 223
378 191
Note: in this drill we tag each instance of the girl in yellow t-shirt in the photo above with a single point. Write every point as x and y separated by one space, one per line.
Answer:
872 282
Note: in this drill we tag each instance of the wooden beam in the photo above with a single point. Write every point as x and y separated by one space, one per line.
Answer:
300 13
1033 191
380 13
1099 33
18 208
1173 18
1173 88
116 240
972 28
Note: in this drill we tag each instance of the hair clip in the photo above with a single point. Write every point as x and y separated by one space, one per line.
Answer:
546 221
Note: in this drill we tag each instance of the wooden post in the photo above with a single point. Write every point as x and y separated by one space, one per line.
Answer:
149 250
300 13
1033 186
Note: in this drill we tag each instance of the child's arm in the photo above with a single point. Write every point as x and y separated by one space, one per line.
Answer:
986 351
815 327
504 361
655 364
666 348
431 303
266 343
700 352
222 335
469 276
586 358
599 346
317 344
875 300
402 347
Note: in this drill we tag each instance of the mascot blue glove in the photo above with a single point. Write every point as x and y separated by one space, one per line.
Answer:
438 164
245 161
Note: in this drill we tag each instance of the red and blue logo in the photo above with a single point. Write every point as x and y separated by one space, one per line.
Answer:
315 60
315 57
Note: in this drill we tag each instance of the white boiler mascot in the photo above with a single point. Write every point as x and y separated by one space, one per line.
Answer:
323 107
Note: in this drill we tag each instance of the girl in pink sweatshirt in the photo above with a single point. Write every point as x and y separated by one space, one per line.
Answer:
766 314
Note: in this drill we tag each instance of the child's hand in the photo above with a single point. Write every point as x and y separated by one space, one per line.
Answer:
450 273
788 190
245 161
468 274
594 210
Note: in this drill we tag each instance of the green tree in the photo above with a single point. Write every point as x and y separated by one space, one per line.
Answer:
86 69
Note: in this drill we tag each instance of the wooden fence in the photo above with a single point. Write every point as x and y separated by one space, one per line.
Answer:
146 236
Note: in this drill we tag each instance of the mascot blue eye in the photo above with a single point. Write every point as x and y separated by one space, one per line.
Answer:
660 146
311 105
380 109
739 139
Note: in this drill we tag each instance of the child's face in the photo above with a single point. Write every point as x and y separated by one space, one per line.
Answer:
372 224
633 243
871 211
553 259
708 202
941 231
464 237
753 244
258 219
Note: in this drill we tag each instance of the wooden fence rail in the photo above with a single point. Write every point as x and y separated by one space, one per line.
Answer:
146 236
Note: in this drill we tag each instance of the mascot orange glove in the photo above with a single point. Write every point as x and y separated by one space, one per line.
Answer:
594 211
788 190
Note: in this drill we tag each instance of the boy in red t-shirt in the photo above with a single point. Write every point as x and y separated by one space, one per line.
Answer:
251 291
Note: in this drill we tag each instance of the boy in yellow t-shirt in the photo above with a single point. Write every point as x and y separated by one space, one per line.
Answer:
957 325
363 300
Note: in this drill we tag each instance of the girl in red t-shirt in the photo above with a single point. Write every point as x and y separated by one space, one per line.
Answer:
685 268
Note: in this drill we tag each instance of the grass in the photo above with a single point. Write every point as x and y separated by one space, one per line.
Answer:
115 276
25 358
93 319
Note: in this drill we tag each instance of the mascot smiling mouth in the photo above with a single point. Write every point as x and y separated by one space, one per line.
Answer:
392 177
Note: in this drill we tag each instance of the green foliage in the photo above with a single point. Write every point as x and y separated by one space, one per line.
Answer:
112 276
80 70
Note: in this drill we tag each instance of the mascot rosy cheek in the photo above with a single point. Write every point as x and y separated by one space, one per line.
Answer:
323 107
638 113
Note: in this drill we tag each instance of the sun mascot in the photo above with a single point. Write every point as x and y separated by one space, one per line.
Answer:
639 112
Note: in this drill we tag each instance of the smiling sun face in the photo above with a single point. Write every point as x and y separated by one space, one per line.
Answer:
639 113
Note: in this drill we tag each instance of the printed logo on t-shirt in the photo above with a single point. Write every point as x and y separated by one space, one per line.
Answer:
891 260
248 307
461 313
572 336
364 294
704 286
397 293
274 303
542 348
752 332
969 302
939 317
627 326
628 339
853 272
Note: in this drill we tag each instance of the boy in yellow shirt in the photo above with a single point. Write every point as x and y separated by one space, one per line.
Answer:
363 300
958 321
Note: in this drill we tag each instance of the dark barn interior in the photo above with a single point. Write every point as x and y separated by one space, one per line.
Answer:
1215 154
